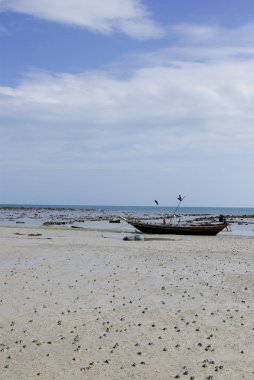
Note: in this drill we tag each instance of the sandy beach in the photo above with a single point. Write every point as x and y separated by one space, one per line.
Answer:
75 304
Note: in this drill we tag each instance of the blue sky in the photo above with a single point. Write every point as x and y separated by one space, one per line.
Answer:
124 101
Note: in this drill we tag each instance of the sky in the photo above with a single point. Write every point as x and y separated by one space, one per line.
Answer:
120 102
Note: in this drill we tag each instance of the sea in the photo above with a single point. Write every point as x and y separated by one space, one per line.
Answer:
98 216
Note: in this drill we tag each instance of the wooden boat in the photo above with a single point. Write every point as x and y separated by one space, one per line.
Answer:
207 229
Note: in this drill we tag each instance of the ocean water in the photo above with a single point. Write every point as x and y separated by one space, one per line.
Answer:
97 216
140 209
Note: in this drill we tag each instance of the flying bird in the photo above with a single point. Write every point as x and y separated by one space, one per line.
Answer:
156 202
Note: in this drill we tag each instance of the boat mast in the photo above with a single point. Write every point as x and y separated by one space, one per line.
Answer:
180 198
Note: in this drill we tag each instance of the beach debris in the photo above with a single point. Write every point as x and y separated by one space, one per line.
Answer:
54 223
136 237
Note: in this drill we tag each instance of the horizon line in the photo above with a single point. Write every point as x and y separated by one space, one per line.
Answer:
107 205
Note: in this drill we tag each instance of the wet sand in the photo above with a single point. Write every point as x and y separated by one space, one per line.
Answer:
76 305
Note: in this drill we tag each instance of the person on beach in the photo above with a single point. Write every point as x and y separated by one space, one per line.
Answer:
222 218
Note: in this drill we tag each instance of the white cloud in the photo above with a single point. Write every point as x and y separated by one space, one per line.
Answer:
107 16
184 117
97 119
186 109
218 36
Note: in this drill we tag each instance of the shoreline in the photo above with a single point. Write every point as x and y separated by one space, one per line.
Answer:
235 229
99 219
75 305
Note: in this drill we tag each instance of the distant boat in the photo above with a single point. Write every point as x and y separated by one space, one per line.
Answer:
205 229
114 220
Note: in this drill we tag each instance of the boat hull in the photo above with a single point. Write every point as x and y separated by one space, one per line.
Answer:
201 229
